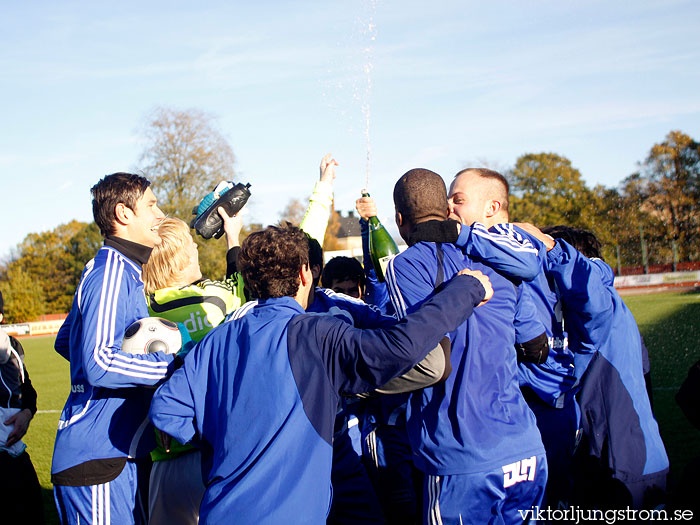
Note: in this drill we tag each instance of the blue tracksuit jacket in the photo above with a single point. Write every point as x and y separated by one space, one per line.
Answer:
261 394
104 416
477 420
616 413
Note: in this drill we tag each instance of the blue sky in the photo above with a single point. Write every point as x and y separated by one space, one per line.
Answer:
453 84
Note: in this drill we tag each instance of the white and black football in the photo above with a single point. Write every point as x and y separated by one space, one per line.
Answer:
152 334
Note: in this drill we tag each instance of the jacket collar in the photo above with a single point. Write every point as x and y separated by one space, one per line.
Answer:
287 302
134 251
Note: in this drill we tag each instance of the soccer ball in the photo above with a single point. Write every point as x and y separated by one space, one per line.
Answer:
152 334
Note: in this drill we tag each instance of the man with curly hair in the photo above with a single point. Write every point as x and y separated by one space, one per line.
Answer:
260 392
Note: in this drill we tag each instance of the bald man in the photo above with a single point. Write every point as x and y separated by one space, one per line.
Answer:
481 195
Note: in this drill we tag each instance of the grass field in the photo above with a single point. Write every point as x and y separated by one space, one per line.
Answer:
669 322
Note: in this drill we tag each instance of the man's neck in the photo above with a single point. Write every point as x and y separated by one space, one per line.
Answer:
499 218
432 218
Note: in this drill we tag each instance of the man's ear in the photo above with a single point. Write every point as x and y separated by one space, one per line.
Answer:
316 271
398 218
492 208
305 275
122 213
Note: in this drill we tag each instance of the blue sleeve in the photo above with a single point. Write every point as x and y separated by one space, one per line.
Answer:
505 248
61 345
361 360
105 304
376 293
173 405
588 305
527 322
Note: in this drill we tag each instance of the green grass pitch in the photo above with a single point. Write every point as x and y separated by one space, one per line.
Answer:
669 322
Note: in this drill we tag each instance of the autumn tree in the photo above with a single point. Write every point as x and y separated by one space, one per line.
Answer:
330 240
667 187
185 157
547 190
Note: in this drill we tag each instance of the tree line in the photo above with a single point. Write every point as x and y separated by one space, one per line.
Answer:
653 211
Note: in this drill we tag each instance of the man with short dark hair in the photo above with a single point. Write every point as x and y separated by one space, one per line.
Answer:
344 275
260 392
104 427
473 435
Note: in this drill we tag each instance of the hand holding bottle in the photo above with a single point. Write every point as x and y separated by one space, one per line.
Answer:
366 207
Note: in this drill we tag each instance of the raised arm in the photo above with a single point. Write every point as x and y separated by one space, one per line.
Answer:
504 247
360 360
376 293
318 213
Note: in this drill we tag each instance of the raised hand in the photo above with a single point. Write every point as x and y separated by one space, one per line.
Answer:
327 168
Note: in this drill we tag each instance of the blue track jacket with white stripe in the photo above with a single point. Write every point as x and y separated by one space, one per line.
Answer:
105 416
476 420
261 391
616 412
503 247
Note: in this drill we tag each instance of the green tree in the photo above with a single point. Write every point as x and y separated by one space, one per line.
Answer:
47 259
547 190
80 248
186 156
23 295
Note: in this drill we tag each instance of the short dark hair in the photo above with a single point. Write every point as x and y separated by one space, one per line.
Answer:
420 194
126 188
315 256
583 240
494 176
343 269
270 261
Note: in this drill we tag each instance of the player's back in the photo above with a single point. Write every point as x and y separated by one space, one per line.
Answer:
477 419
614 384
266 454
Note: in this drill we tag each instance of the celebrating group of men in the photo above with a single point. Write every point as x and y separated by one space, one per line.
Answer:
466 397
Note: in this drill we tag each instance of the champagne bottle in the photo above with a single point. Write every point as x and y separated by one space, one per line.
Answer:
381 246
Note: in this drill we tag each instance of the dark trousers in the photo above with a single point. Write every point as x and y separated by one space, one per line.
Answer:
20 492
